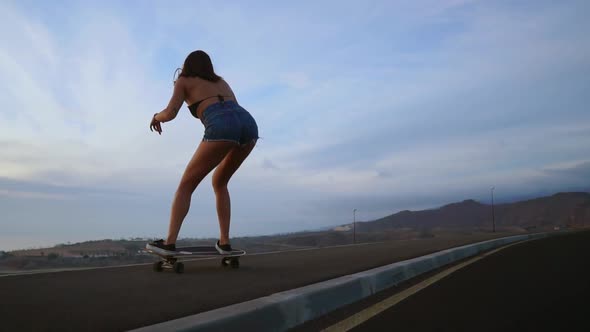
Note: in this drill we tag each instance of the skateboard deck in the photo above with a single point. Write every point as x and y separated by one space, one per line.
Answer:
170 261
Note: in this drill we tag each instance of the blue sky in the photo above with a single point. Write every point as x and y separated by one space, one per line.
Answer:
375 105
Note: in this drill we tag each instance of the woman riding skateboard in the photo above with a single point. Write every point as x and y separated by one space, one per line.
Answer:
230 135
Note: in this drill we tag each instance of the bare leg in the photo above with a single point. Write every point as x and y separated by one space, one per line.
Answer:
223 173
207 156
223 204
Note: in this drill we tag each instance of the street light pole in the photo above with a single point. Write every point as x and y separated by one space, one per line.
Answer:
354 226
493 216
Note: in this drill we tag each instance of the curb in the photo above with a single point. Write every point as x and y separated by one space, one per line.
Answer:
284 310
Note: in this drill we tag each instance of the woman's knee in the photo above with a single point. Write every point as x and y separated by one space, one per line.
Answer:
187 186
219 185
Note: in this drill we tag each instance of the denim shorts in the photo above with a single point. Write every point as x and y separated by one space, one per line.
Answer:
228 121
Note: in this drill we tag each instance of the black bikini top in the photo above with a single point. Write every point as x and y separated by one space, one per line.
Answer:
193 107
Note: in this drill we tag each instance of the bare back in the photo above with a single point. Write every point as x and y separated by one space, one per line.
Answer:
197 89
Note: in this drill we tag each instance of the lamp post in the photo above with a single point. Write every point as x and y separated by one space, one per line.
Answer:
493 216
354 226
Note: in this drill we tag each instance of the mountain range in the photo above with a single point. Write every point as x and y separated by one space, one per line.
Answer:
561 209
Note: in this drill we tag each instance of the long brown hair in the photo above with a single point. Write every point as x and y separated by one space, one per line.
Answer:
199 64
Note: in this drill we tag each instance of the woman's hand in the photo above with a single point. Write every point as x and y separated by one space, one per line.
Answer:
156 125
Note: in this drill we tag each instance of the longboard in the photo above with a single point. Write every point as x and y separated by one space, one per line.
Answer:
172 261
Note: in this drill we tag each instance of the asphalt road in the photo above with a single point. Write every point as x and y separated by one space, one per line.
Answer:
540 285
123 298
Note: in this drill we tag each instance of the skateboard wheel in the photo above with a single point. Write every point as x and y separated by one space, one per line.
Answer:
225 262
158 266
178 267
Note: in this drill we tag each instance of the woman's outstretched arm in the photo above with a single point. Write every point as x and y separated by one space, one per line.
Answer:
170 112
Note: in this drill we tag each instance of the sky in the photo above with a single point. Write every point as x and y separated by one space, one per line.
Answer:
378 106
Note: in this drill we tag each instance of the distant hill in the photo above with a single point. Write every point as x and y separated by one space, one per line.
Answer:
561 209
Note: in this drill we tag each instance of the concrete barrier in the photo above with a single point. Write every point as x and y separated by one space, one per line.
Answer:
284 310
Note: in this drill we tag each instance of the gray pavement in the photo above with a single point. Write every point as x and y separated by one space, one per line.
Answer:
123 298
539 285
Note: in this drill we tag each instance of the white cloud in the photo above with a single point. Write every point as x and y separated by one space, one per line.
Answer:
297 80
29 194
409 97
